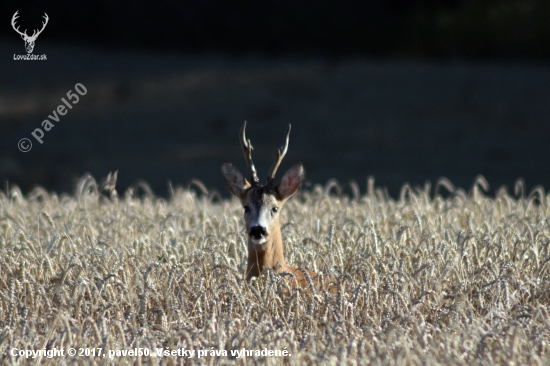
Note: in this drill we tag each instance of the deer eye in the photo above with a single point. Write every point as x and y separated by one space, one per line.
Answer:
275 209
247 208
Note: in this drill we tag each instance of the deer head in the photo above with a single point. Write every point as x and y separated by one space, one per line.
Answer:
29 40
262 205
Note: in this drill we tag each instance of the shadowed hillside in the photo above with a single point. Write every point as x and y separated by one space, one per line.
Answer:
176 117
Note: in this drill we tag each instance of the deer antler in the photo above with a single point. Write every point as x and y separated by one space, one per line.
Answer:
281 152
247 150
24 34
35 35
13 19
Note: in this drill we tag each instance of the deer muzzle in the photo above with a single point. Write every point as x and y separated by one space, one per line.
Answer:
258 232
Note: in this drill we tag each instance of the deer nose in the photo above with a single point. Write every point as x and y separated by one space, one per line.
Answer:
257 232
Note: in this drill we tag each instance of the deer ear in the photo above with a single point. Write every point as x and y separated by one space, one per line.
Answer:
234 180
290 182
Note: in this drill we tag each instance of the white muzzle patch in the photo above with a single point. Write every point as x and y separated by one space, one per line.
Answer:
258 241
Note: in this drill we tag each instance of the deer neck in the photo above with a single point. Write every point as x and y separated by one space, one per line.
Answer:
268 255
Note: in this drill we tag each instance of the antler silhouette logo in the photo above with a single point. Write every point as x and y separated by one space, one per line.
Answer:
29 41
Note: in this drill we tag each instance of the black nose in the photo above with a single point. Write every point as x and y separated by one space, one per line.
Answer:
257 232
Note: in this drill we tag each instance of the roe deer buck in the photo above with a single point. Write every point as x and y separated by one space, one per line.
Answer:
262 205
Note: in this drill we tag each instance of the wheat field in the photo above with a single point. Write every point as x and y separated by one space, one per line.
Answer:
438 276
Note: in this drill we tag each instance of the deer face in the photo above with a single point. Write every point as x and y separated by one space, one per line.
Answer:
29 42
262 204
261 214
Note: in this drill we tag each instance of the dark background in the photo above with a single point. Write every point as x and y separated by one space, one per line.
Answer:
405 91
